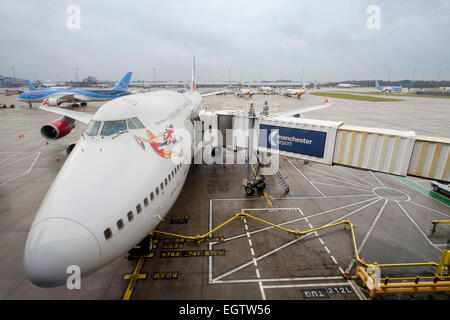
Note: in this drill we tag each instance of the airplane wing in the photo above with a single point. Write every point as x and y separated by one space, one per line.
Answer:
79 116
296 112
214 93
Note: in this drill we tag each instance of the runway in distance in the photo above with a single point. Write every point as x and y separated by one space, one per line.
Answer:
57 96
388 88
123 176
345 85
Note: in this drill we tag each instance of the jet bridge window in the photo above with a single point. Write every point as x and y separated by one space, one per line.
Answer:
111 127
138 123
92 128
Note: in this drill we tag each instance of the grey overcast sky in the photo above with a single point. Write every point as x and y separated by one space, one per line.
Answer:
257 40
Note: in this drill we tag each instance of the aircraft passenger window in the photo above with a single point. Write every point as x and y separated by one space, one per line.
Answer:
111 127
146 202
172 173
138 208
108 233
131 124
92 128
152 196
138 122
162 186
120 224
165 181
130 216
169 177
157 191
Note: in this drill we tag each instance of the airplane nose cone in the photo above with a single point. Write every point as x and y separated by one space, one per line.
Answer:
55 244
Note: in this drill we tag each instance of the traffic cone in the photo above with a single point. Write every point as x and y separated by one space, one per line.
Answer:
46 142
57 158
347 272
284 158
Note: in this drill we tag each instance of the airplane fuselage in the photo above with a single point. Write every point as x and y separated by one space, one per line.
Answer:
85 95
113 188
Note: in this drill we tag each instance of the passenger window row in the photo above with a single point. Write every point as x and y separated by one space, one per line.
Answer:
130 216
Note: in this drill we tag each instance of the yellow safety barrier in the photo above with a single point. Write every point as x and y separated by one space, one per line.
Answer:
436 222
385 286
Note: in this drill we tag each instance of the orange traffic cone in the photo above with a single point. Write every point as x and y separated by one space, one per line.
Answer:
57 158
46 142
347 272
284 158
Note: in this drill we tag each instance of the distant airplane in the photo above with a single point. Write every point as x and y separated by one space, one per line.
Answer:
245 93
346 85
122 177
294 92
267 90
388 88
57 96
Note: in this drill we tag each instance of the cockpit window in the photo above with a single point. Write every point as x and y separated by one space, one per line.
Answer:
131 124
92 128
138 122
111 127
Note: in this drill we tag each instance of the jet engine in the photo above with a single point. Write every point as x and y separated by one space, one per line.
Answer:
53 101
71 146
58 128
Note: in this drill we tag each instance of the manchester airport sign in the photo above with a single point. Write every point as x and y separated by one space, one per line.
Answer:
301 141
307 139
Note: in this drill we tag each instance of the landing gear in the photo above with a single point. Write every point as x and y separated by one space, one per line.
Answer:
83 104
29 105
142 249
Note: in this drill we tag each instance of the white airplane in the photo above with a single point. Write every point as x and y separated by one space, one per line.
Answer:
295 92
122 177
267 90
345 85
245 93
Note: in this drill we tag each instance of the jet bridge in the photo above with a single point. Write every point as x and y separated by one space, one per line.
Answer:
333 142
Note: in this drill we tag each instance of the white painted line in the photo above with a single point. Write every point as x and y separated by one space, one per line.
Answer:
444 214
335 185
303 198
246 228
306 219
279 279
25 173
327 250
28 156
257 273
252 251
310 225
250 242
245 220
254 262
307 179
321 241
365 187
334 260
339 178
354 175
248 234
418 228
372 226
282 286
373 175
261 289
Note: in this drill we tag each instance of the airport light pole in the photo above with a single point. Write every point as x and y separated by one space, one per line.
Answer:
389 77
154 77
14 74
438 77
412 79
229 77
301 79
